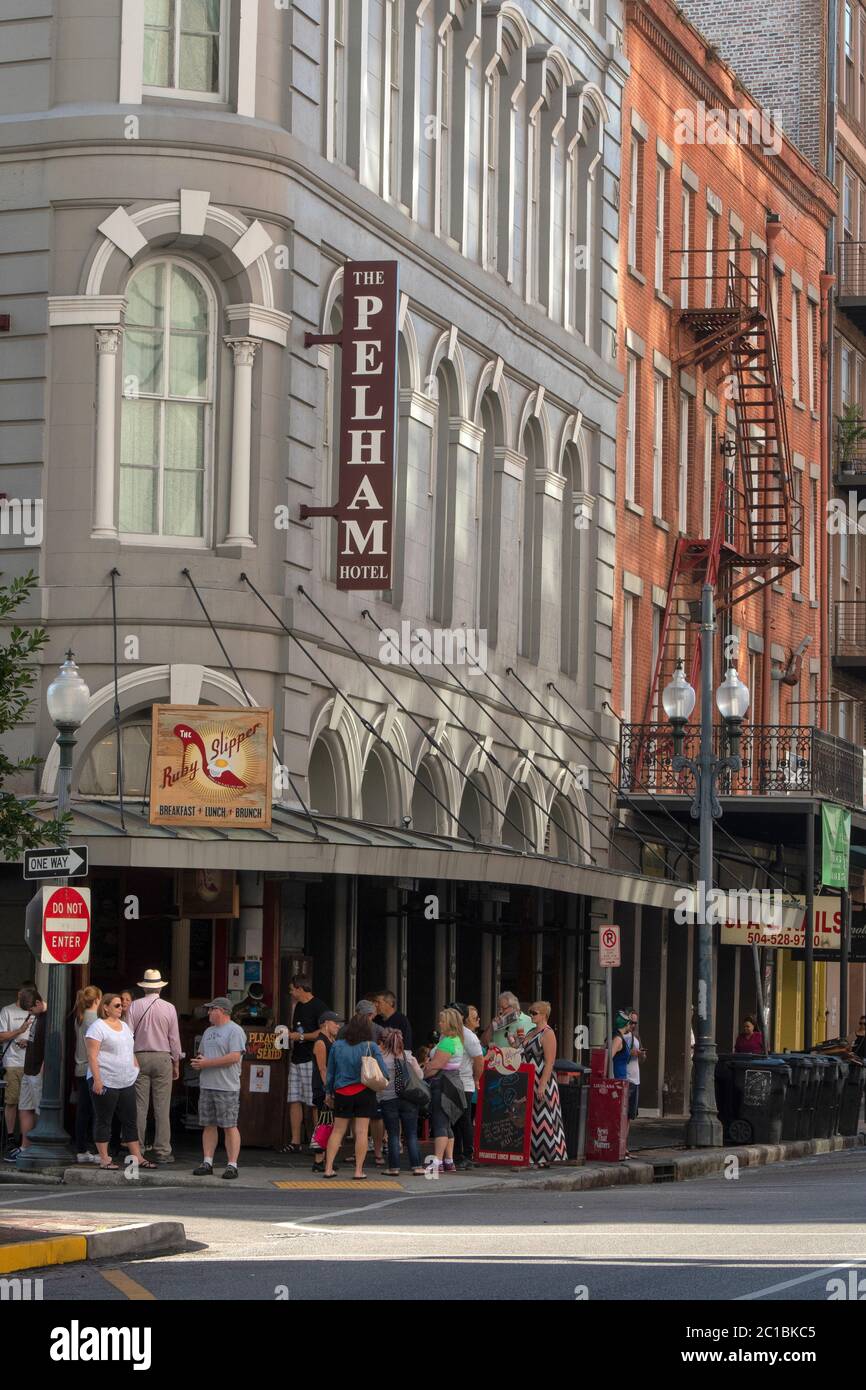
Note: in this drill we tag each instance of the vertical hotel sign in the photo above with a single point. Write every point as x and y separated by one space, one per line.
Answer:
368 425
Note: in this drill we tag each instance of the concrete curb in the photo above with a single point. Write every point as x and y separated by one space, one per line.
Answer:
141 1238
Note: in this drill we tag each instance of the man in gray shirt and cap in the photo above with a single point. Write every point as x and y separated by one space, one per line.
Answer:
218 1063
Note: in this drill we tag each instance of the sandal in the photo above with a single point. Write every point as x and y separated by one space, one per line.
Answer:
392 1172
110 1167
360 1177
330 1175
291 1149
379 1162
145 1163
419 1172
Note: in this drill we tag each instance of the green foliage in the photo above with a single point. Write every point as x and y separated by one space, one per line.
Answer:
19 828
851 431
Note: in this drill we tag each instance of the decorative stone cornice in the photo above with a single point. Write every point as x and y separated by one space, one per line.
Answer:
257 321
72 310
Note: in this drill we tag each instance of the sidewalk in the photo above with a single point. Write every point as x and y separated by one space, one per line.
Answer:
31 1241
264 1169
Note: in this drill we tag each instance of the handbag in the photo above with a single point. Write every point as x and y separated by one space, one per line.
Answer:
371 1073
410 1087
321 1135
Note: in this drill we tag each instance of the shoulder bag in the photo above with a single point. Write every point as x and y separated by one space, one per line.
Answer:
371 1073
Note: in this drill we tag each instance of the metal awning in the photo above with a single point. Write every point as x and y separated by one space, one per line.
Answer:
337 846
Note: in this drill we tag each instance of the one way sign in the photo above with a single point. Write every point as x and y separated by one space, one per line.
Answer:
56 863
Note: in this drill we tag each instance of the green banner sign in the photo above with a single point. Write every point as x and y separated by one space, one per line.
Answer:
835 845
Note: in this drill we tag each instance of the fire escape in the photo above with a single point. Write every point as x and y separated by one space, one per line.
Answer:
753 517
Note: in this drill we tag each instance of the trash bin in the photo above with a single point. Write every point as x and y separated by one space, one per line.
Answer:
852 1099
571 1078
836 1078
826 1102
750 1093
799 1113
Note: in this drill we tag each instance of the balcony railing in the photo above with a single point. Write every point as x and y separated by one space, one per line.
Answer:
849 463
780 760
849 629
852 270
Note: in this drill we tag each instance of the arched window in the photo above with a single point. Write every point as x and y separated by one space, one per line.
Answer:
531 545
443 129
98 775
444 500
475 161
570 574
428 109
491 516
168 396
376 794
322 780
520 172
491 171
517 828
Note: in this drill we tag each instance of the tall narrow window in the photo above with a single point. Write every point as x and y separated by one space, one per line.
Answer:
776 302
707 492
661 192
338 86
658 445
684 257
559 220
848 75
813 546
522 186
168 398
845 393
711 248
847 205
795 343
797 538
395 60
630 427
683 471
446 53
658 618
491 191
185 47
862 70
627 655
534 222
810 349
474 162
633 188
374 114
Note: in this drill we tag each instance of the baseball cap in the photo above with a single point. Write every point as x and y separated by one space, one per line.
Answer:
330 1017
364 1006
462 1009
220 1003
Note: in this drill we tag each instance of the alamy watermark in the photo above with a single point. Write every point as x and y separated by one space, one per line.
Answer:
22 516
714 906
700 125
437 646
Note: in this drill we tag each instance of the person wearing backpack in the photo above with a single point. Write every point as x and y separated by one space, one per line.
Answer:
395 1110
349 1094
622 1048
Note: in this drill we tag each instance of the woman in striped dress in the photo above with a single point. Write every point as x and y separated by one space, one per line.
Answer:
547 1140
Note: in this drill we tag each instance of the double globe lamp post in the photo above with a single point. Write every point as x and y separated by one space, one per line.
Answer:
704 1128
67 698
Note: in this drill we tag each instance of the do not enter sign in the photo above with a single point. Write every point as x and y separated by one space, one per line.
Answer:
608 946
65 926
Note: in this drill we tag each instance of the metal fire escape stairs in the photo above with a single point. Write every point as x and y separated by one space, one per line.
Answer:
754 516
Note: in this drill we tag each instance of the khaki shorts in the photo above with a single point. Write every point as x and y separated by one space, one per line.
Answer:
31 1093
13 1084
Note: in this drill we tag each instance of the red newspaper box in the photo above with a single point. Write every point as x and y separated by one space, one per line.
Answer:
607 1126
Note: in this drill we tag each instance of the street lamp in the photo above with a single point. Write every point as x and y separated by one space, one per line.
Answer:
704 1129
67 698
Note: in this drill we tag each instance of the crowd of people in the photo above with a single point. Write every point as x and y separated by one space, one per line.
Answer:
358 1078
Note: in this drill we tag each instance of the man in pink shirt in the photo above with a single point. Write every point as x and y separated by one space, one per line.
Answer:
156 1036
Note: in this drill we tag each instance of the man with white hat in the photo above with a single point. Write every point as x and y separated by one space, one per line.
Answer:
156 1042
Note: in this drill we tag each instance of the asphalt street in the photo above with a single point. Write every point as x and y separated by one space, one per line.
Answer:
776 1233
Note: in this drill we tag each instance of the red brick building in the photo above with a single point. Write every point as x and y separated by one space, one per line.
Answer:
721 475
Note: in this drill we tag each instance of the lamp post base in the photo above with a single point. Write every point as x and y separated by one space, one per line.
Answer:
704 1132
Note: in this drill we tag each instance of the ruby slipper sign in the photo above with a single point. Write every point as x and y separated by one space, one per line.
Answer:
65 926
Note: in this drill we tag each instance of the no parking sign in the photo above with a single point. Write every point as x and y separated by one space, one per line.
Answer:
608 946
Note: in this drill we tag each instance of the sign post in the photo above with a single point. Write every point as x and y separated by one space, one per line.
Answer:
609 956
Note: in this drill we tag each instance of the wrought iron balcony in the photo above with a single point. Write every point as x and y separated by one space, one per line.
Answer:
779 760
849 464
849 633
851 282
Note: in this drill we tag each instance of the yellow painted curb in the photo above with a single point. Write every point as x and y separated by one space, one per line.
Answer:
34 1254
348 1186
